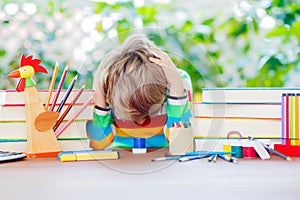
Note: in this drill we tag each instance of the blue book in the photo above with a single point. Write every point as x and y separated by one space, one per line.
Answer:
258 95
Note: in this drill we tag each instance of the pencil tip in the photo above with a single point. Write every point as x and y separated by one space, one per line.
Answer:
83 86
76 76
56 64
288 159
67 67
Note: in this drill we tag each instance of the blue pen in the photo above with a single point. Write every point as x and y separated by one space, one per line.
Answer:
184 159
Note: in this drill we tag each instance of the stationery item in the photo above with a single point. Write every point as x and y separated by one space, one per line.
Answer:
55 71
238 110
166 158
236 147
185 159
227 147
297 118
195 153
181 140
271 150
278 153
255 95
214 127
68 156
45 120
62 117
228 158
283 118
40 143
73 117
59 88
288 150
260 149
139 145
292 119
213 158
287 122
7 156
248 150
69 90
13 98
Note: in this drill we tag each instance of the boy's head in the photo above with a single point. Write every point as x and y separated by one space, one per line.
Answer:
135 88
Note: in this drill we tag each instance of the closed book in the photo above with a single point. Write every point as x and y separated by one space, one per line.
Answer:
237 110
15 113
245 95
11 97
207 144
65 145
220 127
16 130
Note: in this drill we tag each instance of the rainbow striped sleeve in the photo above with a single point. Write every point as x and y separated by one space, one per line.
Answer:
178 109
99 129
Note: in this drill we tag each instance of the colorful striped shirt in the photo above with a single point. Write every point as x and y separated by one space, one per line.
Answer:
105 129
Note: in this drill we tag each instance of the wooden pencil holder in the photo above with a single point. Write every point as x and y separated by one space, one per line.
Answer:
181 140
39 143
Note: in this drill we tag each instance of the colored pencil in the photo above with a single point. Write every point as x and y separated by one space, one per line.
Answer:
283 116
62 117
287 122
68 92
273 150
57 134
277 153
297 119
292 119
59 88
52 83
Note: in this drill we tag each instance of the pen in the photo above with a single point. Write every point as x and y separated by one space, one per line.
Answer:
213 158
273 150
184 159
203 153
229 159
166 158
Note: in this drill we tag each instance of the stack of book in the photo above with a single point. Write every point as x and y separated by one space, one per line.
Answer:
252 112
13 134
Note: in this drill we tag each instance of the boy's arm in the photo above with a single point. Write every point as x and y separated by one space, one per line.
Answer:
172 75
99 129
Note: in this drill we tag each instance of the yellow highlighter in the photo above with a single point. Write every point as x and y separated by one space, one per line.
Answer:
69 156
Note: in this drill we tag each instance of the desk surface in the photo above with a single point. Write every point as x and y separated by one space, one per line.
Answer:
136 177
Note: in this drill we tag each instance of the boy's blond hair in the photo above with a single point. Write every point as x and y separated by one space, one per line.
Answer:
134 87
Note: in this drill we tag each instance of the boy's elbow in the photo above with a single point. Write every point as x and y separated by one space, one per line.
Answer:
101 144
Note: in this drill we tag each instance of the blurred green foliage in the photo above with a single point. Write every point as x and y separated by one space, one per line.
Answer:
251 43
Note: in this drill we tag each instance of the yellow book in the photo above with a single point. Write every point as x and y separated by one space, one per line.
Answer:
69 156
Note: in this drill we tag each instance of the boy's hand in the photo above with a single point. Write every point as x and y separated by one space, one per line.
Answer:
99 98
172 75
